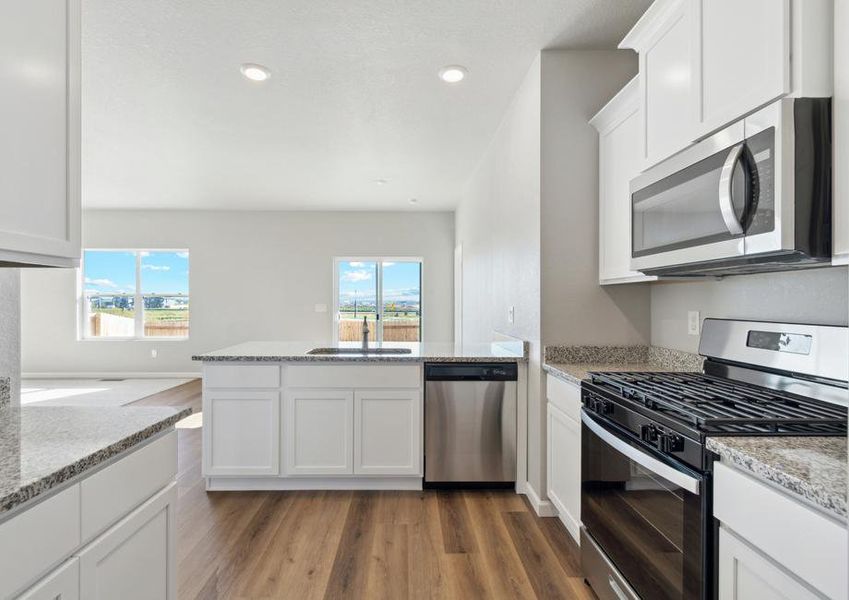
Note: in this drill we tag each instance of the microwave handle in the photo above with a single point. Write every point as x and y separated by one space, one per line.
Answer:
726 206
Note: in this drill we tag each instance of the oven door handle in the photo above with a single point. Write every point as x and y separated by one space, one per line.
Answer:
726 206
682 480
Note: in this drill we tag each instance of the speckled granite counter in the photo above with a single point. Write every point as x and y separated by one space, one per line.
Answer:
574 363
419 352
42 447
813 467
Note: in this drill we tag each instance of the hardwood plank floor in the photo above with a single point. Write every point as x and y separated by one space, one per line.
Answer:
389 545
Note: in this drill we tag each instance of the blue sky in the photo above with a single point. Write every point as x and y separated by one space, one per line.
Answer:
115 272
400 281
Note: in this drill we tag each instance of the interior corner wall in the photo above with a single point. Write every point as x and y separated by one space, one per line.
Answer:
253 276
10 329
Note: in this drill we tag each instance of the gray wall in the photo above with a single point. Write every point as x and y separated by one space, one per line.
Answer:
815 296
254 276
528 226
10 329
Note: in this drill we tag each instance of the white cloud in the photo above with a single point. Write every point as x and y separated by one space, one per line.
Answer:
361 275
357 264
101 282
156 267
144 253
388 264
183 254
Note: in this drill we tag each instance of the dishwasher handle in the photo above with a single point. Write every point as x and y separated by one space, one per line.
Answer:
471 372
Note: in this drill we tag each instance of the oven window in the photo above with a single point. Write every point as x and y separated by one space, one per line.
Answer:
649 527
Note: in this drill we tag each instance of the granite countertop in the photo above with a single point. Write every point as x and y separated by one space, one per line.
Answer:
574 363
812 467
42 447
512 351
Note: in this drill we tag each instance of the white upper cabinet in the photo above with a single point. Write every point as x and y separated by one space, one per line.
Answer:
705 64
663 38
742 61
618 125
40 144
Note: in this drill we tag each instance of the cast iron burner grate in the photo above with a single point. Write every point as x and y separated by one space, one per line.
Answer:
716 405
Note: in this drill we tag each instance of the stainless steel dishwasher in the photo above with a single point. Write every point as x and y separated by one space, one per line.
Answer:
470 423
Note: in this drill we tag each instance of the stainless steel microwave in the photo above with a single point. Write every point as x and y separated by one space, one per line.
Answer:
753 197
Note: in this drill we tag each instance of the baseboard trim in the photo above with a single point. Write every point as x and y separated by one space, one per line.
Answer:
115 375
233 484
543 508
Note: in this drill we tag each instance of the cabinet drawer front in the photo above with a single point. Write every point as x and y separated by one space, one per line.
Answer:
354 376
805 541
113 492
241 376
62 584
565 396
39 537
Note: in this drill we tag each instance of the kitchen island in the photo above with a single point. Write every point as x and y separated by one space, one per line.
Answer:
294 415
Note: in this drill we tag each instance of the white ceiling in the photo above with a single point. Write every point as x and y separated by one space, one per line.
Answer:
169 122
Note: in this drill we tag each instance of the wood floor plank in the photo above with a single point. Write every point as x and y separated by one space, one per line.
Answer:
457 534
423 545
348 578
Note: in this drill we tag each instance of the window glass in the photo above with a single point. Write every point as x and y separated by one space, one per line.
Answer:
402 301
109 284
165 293
357 300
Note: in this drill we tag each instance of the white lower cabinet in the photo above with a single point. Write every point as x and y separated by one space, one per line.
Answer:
387 432
134 560
241 432
564 468
745 574
318 429
61 584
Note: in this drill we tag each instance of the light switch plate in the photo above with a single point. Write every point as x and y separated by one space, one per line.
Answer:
321 308
693 322
511 314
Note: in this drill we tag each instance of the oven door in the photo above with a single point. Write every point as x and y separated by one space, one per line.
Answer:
646 513
694 207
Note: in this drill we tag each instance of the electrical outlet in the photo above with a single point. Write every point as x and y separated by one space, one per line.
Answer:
153 353
511 314
693 322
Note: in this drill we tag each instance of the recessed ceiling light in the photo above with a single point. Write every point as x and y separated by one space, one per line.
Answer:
381 181
453 73
255 72
414 200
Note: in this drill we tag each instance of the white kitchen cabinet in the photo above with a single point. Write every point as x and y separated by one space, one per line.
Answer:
40 144
618 125
744 573
63 583
564 468
840 112
742 58
663 38
134 560
387 432
788 541
241 432
564 452
318 431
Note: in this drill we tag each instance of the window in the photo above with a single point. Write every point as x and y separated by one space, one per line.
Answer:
134 294
386 292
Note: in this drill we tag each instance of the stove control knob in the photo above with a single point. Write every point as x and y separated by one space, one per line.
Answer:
669 442
606 407
649 433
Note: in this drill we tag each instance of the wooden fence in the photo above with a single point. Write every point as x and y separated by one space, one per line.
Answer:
393 331
106 325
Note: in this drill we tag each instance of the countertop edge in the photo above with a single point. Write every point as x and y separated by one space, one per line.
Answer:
828 502
561 374
362 359
46 483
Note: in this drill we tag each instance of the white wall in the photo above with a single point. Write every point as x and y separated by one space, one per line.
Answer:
254 276
813 296
528 226
10 329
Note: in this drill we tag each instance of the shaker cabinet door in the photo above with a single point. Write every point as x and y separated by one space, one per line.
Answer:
564 468
387 432
318 431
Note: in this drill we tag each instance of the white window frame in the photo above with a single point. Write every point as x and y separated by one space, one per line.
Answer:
138 300
379 308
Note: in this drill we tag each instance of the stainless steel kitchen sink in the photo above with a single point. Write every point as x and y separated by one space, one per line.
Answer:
360 351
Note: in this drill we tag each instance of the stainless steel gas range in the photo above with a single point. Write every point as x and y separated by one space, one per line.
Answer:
646 498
